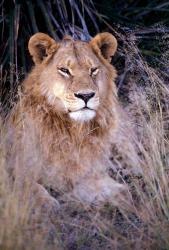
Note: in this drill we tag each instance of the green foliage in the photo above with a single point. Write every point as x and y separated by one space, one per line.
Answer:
132 13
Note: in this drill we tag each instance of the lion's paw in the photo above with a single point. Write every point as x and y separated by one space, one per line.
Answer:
96 191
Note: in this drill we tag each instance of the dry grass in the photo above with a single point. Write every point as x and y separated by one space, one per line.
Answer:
145 225
143 93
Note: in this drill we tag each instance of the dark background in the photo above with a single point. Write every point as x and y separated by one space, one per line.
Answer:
144 22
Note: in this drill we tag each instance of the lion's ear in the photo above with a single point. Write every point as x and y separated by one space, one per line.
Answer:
40 46
104 44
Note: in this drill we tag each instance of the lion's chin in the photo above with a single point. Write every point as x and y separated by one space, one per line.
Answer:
83 115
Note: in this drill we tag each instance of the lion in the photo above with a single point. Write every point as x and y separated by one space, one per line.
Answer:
66 116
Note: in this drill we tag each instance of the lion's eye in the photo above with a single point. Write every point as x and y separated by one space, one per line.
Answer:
94 71
64 71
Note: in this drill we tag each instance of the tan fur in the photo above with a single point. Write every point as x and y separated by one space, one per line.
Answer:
74 154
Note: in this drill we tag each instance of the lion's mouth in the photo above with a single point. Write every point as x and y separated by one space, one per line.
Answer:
87 108
82 115
82 109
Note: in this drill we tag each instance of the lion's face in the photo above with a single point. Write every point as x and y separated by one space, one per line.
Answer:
75 76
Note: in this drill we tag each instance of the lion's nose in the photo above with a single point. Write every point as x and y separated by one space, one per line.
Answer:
85 97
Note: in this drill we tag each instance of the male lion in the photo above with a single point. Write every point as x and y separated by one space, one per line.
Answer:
67 115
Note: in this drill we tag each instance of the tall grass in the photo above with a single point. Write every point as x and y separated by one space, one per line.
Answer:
143 94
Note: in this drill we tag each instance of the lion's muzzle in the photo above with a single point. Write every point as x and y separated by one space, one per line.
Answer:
84 106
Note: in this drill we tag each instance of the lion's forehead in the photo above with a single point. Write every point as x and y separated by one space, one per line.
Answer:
76 53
